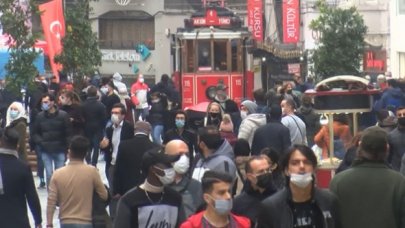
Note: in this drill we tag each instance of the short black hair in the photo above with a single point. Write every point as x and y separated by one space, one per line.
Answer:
241 148
211 137
275 112
212 177
165 78
180 112
92 91
79 146
304 150
259 95
271 153
51 96
121 106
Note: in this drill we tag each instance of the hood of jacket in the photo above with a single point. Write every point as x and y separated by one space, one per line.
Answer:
257 119
225 149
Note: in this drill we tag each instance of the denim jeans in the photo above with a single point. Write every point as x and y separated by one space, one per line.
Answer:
76 225
92 155
50 160
40 163
141 112
157 134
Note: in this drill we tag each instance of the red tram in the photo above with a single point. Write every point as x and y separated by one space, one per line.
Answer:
211 50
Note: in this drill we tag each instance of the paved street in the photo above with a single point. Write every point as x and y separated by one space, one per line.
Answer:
42 193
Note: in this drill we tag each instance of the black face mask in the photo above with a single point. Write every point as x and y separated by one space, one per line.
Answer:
401 121
289 91
264 180
214 115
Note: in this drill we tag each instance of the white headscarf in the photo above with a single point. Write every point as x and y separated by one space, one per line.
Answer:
21 112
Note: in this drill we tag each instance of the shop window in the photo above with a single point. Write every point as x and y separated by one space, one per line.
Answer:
126 33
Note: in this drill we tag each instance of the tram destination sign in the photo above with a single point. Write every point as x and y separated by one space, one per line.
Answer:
219 21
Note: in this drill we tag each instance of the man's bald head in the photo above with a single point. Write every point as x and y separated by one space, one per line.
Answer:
176 147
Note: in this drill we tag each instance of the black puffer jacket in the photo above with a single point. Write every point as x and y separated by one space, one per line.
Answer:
275 211
95 116
52 131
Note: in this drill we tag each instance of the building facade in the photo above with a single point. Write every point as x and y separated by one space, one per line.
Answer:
397 38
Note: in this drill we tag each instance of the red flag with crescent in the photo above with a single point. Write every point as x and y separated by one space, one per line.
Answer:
53 24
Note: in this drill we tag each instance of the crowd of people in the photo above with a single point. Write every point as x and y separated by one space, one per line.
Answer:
247 165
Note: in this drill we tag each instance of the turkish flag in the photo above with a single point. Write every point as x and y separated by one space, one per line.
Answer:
53 24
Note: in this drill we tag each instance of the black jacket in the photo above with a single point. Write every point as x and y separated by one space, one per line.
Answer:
52 131
76 118
274 135
129 163
19 188
95 116
275 211
109 101
127 132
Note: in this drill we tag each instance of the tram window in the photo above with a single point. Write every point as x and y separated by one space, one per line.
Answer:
236 55
188 54
220 57
204 55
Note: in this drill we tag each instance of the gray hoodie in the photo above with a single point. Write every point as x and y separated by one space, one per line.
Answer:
221 160
250 125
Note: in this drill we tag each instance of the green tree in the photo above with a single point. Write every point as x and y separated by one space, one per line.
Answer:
81 55
341 41
15 20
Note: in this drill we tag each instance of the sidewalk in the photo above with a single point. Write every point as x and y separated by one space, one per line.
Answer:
42 194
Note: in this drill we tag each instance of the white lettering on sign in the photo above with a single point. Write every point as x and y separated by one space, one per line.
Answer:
120 56
238 82
199 21
291 18
224 21
257 21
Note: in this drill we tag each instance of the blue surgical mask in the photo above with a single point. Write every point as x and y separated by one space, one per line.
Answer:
223 206
180 123
14 114
45 106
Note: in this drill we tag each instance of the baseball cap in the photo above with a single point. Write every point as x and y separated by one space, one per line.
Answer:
157 156
374 139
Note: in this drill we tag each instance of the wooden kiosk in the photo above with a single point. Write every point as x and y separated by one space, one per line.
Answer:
339 94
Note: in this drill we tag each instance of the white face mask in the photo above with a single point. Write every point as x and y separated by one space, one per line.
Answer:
181 166
243 114
104 90
301 180
141 80
115 119
168 178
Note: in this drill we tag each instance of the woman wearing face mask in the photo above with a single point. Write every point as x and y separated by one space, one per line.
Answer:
301 203
216 188
17 120
214 115
70 102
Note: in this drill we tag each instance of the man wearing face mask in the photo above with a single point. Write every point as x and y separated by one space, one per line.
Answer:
300 204
251 121
396 141
189 189
109 99
259 178
217 187
51 132
139 92
182 132
120 130
215 154
152 203
127 173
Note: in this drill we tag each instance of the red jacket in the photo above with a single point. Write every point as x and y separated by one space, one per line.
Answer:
195 221
135 87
